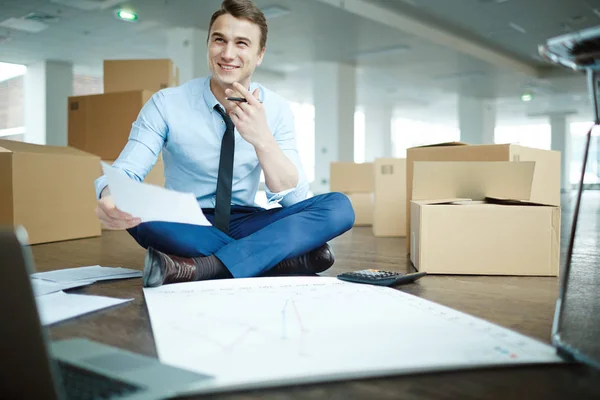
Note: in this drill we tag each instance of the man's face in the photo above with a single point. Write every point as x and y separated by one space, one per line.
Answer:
233 50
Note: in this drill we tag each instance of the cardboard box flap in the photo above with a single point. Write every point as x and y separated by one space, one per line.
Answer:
442 201
474 180
444 144
514 202
21 147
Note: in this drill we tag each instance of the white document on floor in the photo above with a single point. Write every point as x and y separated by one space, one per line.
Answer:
60 306
261 332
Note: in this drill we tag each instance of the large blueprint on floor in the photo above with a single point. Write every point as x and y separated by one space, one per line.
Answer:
260 332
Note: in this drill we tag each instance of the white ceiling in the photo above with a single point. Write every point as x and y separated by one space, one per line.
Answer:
422 79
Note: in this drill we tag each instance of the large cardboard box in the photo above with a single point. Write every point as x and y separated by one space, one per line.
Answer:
49 190
350 177
546 179
478 218
100 124
356 181
389 217
362 203
127 75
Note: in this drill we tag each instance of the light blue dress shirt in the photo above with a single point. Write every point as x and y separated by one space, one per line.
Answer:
182 123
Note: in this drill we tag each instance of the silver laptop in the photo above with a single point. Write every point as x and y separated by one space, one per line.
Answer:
34 368
576 327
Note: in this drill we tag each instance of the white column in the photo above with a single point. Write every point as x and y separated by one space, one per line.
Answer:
561 141
187 48
334 99
48 85
378 131
477 120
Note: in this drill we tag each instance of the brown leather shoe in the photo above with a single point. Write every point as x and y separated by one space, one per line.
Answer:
310 263
160 269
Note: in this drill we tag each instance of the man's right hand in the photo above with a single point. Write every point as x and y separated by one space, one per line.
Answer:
111 217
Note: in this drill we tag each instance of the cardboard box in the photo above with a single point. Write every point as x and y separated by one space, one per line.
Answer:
356 181
546 183
478 218
100 124
389 218
363 208
128 75
349 177
49 190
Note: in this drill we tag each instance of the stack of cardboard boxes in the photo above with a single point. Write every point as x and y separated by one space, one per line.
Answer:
356 181
376 191
464 209
100 124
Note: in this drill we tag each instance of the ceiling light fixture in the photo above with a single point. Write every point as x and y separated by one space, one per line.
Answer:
127 15
391 50
526 97
271 12
517 28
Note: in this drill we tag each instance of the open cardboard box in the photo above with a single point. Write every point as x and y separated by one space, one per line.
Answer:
545 188
479 218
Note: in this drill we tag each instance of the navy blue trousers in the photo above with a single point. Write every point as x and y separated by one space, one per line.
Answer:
258 239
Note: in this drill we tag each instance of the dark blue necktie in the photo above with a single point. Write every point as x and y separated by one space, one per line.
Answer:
224 181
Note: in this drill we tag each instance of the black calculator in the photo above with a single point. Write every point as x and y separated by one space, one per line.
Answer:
379 277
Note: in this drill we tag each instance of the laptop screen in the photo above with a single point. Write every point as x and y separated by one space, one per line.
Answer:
577 324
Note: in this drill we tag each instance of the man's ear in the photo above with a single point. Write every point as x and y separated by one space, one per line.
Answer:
260 56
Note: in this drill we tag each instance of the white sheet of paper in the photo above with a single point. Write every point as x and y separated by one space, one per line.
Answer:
60 306
152 203
261 332
42 286
93 272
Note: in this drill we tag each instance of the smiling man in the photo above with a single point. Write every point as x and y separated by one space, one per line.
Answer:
216 148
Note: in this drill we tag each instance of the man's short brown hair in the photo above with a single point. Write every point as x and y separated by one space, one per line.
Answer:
243 9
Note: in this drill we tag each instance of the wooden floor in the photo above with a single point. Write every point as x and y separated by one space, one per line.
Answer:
525 304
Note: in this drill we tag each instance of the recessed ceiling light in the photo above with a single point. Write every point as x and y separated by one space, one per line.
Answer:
526 97
21 24
391 50
517 28
89 5
126 15
271 12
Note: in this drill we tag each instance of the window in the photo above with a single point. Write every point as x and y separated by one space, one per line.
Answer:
408 133
304 118
578 138
359 137
531 135
12 119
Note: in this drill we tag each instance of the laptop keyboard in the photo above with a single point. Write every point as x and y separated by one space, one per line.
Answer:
81 384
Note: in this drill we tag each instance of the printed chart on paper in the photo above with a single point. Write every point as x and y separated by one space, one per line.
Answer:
310 328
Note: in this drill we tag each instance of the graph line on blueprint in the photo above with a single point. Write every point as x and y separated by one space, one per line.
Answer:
264 329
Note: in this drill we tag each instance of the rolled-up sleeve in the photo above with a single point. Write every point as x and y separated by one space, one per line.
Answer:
285 135
146 139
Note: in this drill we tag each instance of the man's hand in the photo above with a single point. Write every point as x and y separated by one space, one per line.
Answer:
111 217
249 118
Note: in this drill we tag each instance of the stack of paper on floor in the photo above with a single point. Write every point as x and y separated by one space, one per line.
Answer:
54 305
